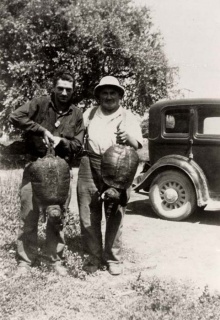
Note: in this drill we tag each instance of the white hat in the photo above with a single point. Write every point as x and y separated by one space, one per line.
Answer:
109 81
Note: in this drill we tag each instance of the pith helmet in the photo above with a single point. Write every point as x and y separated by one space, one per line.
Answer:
109 81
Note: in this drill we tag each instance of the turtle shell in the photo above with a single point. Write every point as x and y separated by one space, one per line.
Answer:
50 179
118 166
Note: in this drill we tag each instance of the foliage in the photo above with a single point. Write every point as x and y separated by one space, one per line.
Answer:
145 127
162 300
92 38
13 156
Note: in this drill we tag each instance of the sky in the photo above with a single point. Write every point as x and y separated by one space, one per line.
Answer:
191 32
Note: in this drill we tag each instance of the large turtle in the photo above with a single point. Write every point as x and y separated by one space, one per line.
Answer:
50 179
118 167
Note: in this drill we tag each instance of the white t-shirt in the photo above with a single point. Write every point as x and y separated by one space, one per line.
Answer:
102 128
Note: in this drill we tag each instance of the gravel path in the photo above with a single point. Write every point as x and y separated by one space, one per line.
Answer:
186 250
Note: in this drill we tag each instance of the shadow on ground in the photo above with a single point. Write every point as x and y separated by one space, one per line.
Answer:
142 207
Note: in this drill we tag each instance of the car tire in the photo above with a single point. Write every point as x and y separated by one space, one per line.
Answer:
172 196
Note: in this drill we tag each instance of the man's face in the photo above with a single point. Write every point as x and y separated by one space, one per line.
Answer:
63 91
109 99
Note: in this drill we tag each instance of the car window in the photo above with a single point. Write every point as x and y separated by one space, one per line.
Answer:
209 120
211 125
177 121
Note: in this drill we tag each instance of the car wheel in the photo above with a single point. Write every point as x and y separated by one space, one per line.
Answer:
172 196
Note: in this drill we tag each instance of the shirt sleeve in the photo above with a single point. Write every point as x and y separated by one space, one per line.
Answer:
133 127
21 117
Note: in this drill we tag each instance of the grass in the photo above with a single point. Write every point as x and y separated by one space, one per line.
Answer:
43 295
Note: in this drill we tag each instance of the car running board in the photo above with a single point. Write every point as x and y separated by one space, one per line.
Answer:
212 205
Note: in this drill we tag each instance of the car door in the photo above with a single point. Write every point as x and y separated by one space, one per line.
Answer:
206 144
175 133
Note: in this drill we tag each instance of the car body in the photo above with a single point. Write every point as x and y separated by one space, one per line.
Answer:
184 157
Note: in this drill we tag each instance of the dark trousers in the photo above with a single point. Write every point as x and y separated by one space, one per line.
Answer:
89 188
27 242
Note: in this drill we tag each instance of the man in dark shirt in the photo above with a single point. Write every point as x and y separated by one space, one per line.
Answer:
46 120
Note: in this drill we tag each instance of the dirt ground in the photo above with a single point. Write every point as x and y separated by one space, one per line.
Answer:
187 251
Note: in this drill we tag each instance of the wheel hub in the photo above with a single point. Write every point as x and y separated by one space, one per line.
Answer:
170 195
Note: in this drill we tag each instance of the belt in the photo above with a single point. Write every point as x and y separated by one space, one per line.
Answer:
91 154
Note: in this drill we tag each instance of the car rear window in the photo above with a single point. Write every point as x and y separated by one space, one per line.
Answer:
177 121
209 120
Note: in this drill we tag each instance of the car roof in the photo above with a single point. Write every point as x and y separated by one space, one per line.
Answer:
180 102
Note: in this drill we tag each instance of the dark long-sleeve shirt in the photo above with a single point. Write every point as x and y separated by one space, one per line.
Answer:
39 114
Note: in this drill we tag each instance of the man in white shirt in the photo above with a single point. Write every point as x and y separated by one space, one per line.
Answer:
106 125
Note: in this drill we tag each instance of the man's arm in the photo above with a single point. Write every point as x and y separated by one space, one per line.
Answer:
21 117
129 133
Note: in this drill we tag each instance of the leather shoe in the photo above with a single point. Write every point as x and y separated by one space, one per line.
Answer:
115 269
90 268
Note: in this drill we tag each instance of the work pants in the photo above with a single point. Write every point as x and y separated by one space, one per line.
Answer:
89 189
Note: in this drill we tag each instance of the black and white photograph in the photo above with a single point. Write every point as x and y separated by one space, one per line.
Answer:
109 160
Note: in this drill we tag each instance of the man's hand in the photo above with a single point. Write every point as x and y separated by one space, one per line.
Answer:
51 139
48 138
121 136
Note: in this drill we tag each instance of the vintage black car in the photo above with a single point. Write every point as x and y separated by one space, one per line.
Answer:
184 158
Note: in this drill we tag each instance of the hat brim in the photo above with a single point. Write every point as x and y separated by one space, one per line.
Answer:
98 88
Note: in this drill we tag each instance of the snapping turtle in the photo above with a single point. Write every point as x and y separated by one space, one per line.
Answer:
50 179
118 167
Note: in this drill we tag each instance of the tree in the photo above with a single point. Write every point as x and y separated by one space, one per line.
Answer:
92 38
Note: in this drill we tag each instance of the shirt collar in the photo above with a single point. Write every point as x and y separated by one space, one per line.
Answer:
61 113
114 115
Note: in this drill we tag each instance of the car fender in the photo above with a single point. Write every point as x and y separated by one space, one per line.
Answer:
180 163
